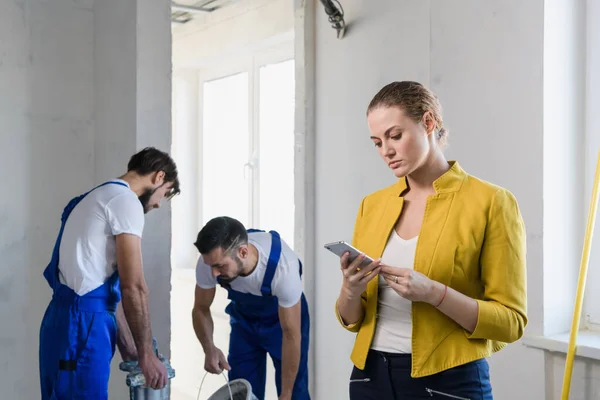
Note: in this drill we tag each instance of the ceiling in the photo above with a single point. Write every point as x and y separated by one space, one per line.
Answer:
181 15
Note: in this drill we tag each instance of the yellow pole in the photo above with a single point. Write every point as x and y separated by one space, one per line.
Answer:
585 258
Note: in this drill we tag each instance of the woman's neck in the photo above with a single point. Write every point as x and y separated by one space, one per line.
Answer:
435 166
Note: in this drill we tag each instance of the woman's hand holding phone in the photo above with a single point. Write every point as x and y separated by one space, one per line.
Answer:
355 276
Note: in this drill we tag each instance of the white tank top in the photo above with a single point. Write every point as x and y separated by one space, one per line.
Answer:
393 331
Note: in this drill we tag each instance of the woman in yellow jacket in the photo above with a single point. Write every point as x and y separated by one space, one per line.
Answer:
448 284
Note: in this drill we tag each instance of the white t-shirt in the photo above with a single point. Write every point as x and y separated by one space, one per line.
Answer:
87 255
286 284
393 332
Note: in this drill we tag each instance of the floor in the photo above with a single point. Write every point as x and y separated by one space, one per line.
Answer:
187 356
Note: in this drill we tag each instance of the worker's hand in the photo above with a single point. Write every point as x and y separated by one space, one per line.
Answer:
155 373
215 361
356 277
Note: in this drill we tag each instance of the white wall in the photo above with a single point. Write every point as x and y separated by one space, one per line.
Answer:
485 60
84 85
47 153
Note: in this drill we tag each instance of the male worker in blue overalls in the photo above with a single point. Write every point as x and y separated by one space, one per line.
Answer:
268 311
97 261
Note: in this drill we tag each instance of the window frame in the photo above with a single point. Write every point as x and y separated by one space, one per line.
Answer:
250 63
591 305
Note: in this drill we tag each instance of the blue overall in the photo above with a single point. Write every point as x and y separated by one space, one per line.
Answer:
78 333
255 331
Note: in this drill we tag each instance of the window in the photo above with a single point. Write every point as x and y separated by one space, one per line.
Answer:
225 148
247 144
571 97
234 141
592 146
276 148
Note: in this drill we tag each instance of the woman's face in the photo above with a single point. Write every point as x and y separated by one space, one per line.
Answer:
403 143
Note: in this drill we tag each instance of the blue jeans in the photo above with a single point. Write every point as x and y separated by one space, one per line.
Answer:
387 377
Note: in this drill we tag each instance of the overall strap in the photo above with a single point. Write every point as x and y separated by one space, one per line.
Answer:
52 276
69 208
273 232
272 263
76 200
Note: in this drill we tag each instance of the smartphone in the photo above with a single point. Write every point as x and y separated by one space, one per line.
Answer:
341 247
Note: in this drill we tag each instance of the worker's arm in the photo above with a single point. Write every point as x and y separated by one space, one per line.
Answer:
202 321
202 318
134 294
125 217
125 341
134 291
290 319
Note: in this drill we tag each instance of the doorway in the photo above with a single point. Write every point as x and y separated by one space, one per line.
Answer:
234 140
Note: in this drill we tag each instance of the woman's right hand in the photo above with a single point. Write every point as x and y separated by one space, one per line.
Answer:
355 276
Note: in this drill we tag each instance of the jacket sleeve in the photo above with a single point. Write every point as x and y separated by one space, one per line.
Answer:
503 308
355 326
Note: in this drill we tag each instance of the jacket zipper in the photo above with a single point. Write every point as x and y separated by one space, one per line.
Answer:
360 380
431 392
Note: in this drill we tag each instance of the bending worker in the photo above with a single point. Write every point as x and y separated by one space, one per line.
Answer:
268 311
96 261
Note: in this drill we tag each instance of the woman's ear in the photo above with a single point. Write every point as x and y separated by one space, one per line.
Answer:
428 122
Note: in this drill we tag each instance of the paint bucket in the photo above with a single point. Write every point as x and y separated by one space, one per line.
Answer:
238 389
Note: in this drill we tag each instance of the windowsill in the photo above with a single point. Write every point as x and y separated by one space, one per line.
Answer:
588 343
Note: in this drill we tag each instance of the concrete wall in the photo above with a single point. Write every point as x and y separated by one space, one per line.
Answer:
133 110
83 85
504 108
47 153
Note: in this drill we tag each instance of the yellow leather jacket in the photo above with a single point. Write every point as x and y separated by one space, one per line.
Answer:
472 239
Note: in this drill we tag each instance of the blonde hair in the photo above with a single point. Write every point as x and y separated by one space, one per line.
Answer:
415 99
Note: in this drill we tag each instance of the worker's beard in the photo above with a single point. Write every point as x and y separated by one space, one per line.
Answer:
145 199
240 268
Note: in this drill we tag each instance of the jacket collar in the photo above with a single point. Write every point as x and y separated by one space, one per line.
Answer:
449 181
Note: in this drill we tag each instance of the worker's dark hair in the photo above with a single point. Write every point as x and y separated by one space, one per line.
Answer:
221 232
150 160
